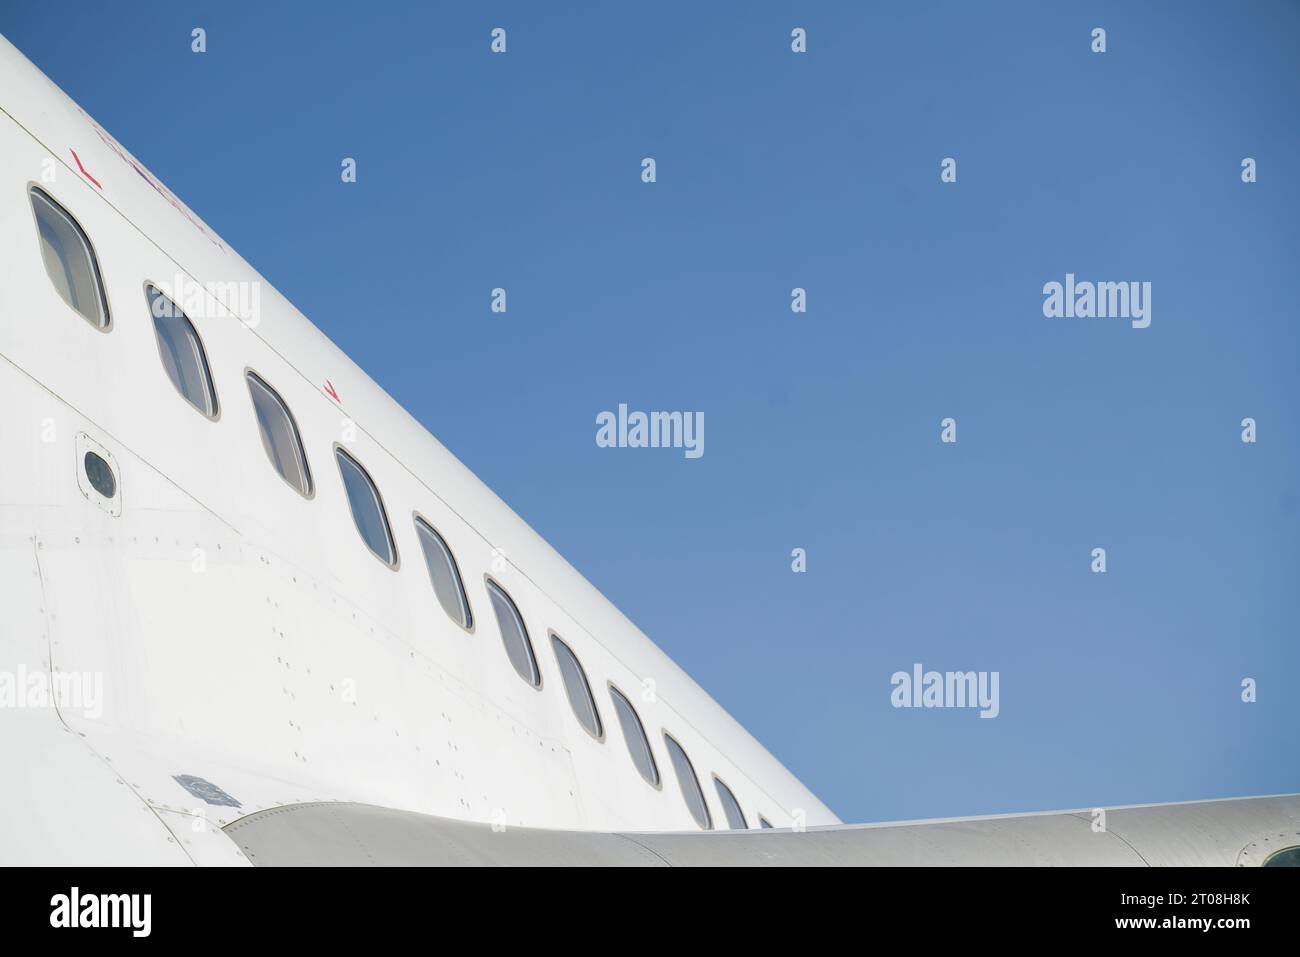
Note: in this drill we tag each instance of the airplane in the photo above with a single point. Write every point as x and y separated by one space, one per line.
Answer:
256 615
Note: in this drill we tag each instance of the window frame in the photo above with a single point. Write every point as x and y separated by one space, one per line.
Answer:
586 683
250 374
84 444
490 583
100 284
396 563
417 519
658 782
211 381
704 801
721 786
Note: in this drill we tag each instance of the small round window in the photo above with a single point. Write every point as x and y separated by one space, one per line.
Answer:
100 474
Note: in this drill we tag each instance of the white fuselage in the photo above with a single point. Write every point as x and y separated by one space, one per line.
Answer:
243 633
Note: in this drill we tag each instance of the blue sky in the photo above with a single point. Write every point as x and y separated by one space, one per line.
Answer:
821 171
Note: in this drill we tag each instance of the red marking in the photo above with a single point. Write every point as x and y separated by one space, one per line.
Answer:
158 187
83 169
329 387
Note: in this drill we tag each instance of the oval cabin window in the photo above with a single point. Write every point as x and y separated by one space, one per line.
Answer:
730 806
690 784
638 745
514 634
280 436
577 689
182 353
69 260
367 509
444 574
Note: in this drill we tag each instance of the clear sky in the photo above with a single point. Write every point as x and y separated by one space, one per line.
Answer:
820 170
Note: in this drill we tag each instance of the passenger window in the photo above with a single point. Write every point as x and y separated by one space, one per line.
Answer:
280 435
514 635
576 687
690 784
634 734
764 823
444 574
182 352
69 260
367 508
730 806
